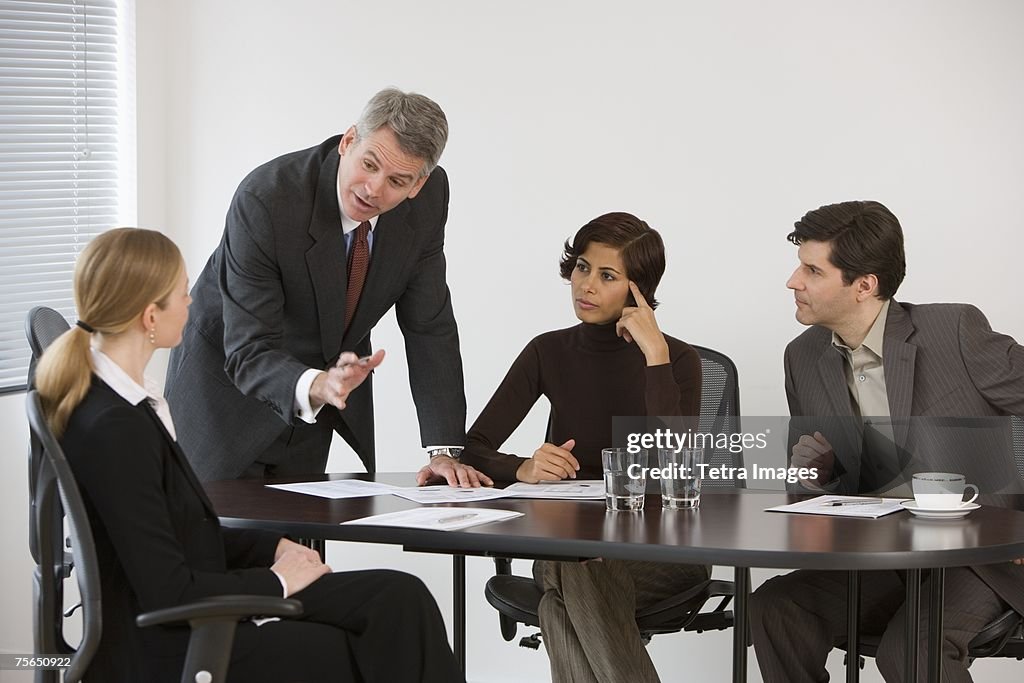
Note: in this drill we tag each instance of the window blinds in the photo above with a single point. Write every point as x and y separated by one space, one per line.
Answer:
59 166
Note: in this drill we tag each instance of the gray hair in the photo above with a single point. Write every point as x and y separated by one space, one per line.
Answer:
417 122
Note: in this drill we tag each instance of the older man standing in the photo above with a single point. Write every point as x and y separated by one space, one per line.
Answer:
318 245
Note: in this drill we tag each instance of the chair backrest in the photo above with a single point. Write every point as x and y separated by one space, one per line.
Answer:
57 498
720 411
42 326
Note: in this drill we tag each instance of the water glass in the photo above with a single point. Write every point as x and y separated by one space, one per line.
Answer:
680 477
625 478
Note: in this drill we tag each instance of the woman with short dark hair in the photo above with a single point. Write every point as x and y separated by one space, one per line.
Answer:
617 361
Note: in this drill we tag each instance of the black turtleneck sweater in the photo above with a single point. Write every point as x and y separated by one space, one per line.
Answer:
589 375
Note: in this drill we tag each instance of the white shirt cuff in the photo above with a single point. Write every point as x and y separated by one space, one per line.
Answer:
284 584
303 409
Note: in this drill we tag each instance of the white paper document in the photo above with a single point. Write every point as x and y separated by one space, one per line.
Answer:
337 488
585 489
844 506
439 519
443 493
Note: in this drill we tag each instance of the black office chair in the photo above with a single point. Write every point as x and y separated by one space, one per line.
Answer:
1004 636
517 598
58 499
42 326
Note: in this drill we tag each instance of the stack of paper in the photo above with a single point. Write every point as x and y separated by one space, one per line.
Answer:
337 488
438 519
585 489
843 506
443 493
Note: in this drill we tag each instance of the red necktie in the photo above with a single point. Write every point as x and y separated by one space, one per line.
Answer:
358 263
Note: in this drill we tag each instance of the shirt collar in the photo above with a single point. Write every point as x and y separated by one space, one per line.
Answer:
347 224
121 382
127 388
875 338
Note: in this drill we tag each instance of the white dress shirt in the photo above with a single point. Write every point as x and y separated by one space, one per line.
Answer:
128 389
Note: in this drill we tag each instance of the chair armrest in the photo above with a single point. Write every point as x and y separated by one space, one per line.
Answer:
691 599
235 607
990 640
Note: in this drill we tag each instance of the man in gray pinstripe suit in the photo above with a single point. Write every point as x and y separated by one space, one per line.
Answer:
866 354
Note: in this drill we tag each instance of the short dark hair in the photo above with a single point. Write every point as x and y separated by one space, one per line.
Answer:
866 238
640 245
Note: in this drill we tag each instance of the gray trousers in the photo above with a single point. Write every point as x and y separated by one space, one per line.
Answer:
587 615
795 619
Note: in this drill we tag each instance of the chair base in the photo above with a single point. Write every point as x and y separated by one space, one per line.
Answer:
517 599
531 642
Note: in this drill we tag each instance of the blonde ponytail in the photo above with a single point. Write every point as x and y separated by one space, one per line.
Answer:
118 275
63 376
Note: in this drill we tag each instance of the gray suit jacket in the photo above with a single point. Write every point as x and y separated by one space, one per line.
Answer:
270 303
940 361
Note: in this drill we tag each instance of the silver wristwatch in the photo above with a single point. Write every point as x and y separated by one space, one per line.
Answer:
452 452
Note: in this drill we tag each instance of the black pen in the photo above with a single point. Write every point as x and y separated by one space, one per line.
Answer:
456 518
359 361
837 503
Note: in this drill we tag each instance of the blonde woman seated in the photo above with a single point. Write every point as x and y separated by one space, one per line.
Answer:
157 537
616 361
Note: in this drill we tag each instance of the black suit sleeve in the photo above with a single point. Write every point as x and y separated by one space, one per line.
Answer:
427 320
253 307
249 547
122 473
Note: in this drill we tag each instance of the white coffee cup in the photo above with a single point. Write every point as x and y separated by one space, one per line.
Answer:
941 490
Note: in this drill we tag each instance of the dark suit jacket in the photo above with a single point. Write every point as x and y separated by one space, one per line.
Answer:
270 303
158 539
940 360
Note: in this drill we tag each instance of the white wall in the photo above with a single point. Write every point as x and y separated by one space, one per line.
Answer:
718 123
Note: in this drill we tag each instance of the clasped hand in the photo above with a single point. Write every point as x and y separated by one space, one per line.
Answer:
298 565
550 463
814 452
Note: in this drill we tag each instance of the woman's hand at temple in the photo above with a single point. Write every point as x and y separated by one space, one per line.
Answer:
639 325
550 463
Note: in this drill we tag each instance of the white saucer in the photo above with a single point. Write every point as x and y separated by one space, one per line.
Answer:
933 513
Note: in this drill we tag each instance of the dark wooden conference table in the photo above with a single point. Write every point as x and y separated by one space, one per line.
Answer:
730 529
